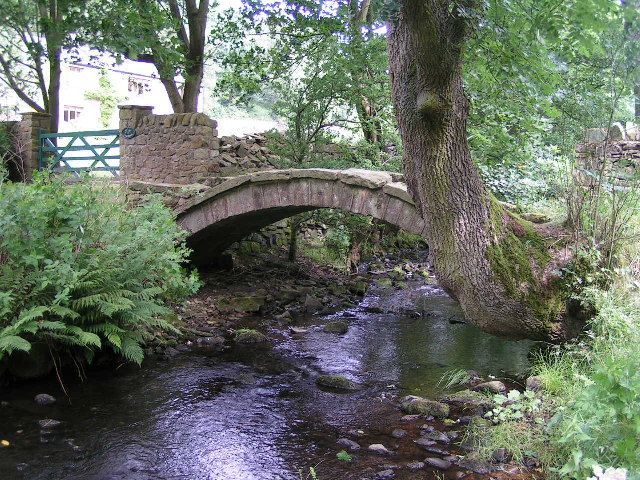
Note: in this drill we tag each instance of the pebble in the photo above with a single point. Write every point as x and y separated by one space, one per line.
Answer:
415 465
501 455
298 330
49 423
356 433
409 418
44 399
385 475
477 466
437 436
398 433
436 450
424 442
379 449
350 444
438 463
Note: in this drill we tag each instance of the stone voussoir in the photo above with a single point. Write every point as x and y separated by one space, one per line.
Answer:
365 178
398 190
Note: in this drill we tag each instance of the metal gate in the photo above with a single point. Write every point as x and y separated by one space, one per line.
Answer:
79 152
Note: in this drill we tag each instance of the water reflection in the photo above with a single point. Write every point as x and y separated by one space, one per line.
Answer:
255 414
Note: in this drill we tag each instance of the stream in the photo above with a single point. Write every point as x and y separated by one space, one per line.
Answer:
255 412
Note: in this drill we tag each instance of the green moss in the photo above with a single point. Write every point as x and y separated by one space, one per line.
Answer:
248 335
468 398
339 327
518 257
337 382
423 406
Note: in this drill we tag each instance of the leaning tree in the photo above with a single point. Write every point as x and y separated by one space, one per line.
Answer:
500 267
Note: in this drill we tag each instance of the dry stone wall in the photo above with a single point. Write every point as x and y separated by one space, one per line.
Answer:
184 148
24 137
622 160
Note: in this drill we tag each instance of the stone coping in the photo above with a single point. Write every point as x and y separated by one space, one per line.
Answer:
390 183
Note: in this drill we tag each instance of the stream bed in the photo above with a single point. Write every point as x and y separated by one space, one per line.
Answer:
254 412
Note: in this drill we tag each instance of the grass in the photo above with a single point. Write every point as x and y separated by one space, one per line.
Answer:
517 438
591 392
454 378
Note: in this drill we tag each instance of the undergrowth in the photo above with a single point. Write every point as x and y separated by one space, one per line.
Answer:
81 271
589 414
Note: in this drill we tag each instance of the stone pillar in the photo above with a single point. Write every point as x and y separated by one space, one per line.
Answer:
130 117
26 142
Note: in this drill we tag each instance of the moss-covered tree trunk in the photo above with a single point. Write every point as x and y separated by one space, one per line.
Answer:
495 264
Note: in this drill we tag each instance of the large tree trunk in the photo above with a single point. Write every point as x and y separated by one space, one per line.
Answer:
492 262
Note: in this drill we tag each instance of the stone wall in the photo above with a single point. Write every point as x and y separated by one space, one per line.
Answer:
24 137
184 148
623 159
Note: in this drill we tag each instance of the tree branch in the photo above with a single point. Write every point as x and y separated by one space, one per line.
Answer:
11 81
177 14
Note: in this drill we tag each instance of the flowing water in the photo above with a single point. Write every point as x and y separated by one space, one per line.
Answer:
254 413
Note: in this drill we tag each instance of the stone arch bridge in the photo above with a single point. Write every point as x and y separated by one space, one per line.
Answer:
240 205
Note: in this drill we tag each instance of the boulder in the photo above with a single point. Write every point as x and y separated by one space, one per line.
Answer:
436 436
246 336
437 463
436 450
424 442
379 449
349 444
298 330
469 400
534 383
409 418
210 344
44 399
337 382
339 327
242 304
494 386
501 455
412 404
385 475
49 423
475 465
358 287
312 304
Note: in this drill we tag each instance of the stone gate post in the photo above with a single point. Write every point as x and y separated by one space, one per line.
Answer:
25 143
130 118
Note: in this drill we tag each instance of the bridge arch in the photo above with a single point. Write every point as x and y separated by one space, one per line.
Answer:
244 204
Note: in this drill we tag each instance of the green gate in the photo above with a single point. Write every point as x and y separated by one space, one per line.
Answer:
77 152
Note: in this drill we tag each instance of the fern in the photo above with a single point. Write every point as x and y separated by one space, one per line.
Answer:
9 343
105 285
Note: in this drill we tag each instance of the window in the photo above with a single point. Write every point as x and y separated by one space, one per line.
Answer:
71 113
138 86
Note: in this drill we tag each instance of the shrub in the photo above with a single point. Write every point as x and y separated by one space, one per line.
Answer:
81 271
